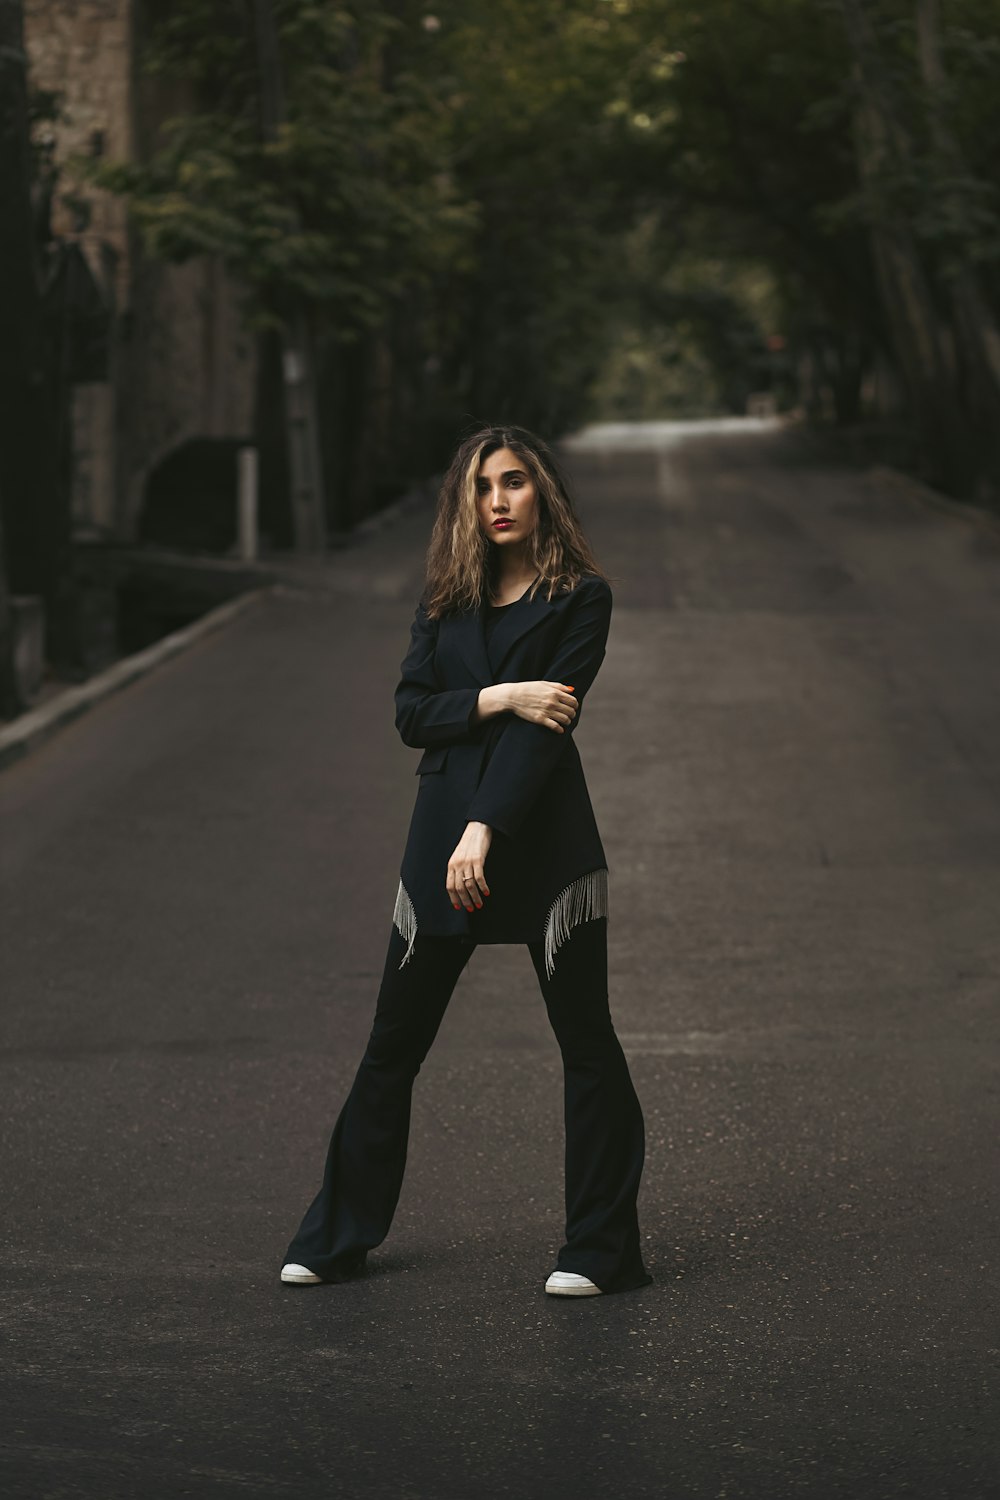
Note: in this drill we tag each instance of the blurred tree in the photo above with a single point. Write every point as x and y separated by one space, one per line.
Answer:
451 198
538 151
307 163
887 169
308 503
829 143
960 200
740 143
740 130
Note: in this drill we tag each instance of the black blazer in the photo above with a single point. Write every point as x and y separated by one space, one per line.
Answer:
546 867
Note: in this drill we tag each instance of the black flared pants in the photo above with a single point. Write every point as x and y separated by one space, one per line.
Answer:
605 1138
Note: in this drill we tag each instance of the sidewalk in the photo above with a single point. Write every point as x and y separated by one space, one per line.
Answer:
369 562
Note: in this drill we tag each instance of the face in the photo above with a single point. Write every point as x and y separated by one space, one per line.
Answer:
506 491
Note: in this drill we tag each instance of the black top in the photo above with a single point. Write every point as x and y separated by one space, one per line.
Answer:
493 615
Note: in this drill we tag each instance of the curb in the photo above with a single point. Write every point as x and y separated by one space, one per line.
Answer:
30 729
23 734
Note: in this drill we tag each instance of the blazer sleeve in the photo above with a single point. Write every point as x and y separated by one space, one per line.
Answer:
427 715
525 753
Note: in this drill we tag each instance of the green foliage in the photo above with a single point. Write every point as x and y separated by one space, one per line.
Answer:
537 149
536 201
345 203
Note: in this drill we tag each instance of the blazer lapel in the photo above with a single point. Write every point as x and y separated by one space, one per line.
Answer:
514 623
486 664
470 639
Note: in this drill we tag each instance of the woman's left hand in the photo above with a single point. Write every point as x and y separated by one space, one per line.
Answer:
466 881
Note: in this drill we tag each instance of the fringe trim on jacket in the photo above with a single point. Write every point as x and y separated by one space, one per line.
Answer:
581 901
405 919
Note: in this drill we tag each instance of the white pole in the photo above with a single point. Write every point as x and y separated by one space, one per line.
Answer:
248 504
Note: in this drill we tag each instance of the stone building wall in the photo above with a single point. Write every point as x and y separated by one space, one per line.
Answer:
181 365
82 51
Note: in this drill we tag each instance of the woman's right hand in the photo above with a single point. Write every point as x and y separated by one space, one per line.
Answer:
549 703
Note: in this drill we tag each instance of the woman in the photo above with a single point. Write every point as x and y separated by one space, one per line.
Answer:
503 847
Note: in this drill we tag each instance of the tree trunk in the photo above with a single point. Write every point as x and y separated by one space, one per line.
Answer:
36 510
10 703
305 463
845 372
921 349
976 330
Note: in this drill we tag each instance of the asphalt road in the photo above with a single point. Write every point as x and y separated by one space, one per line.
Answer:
793 751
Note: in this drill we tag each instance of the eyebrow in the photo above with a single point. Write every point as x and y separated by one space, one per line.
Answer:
507 474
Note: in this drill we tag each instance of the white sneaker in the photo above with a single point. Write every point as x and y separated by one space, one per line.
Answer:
569 1284
299 1275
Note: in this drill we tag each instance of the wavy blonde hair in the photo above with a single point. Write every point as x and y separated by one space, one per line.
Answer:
461 561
